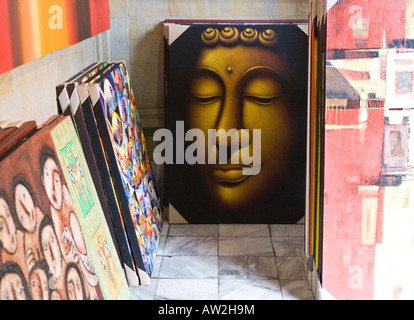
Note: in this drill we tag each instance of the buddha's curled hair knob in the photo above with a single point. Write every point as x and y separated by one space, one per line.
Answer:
229 35
210 36
268 37
249 36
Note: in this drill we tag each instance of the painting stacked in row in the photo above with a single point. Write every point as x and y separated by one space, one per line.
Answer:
360 234
236 106
102 105
55 242
63 233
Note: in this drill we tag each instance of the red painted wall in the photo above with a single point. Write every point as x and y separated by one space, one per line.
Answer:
354 24
352 162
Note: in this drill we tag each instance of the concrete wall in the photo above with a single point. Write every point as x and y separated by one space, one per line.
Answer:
28 91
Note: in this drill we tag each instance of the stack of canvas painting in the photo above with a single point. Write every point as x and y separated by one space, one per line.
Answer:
80 217
54 244
361 178
236 111
104 111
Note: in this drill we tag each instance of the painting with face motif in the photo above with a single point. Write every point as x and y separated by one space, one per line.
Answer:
43 252
236 105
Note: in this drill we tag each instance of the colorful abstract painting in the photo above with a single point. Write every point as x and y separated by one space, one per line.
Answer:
124 143
31 29
43 250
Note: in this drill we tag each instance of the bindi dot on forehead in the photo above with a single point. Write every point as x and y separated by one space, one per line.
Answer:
229 69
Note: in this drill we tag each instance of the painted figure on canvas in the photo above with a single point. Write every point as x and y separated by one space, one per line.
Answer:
74 168
245 79
106 259
66 223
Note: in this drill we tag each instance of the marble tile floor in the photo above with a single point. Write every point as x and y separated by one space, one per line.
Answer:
228 262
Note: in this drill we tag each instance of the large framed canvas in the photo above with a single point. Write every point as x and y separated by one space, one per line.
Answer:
43 250
119 125
31 29
360 206
235 144
89 211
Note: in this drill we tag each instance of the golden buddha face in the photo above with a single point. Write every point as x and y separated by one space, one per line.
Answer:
242 88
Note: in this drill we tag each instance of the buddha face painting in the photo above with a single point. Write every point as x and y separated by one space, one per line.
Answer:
243 79
235 88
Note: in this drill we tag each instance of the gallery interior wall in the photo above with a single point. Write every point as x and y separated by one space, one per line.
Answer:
143 49
28 92
136 36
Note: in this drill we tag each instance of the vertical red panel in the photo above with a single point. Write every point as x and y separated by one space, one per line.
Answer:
6 61
71 21
100 21
353 157
355 24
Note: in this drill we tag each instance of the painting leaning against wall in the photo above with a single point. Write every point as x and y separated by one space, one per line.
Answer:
246 79
43 253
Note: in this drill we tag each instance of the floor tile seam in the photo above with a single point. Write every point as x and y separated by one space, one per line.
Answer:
218 237
187 278
251 256
294 237
240 280
245 236
219 263
248 255
181 278
191 236
219 255
279 290
252 279
192 255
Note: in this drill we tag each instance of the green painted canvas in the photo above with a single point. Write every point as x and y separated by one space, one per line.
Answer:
90 214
